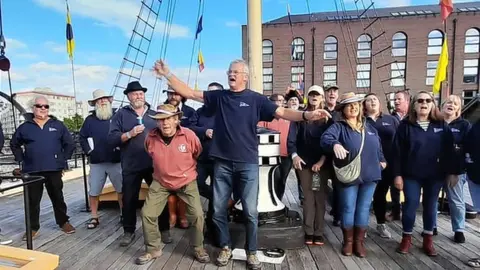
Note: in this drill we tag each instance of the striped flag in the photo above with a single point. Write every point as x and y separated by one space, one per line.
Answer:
201 63
70 40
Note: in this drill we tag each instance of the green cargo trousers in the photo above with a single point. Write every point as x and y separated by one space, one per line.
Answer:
154 204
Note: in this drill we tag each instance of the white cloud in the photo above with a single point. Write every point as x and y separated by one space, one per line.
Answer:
18 49
116 13
55 47
26 55
13 44
233 24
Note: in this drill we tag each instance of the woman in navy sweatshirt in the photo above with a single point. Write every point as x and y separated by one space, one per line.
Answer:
344 140
424 158
386 126
303 145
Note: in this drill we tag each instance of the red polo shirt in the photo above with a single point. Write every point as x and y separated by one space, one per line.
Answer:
174 165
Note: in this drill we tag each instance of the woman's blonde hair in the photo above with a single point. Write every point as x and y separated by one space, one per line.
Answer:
434 115
360 117
457 100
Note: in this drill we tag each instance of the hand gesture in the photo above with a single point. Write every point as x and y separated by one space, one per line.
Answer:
317 115
160 68
290 88
209 133
398 182
297 163
317 166
340 152
136 130
452 180
383 164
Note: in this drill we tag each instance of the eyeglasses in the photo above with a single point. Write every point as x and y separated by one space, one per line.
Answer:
42 106
234 72
424 100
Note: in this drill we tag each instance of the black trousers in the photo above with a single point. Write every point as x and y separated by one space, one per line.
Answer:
130 189
205 170
281 176
334 196
54 185
380 197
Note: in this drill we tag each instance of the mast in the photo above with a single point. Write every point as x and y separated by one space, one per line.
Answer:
254 30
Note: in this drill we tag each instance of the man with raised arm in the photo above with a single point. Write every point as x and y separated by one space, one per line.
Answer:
235 147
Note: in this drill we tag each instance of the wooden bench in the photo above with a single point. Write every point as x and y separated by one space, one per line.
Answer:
19 258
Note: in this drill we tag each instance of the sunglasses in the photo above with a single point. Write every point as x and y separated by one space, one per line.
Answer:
424 100
42 106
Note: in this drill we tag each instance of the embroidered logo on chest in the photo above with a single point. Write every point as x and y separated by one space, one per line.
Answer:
243 104
52 129
182 148
436 130
455 130
386 124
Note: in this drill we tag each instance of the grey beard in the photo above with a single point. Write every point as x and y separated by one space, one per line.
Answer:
104 112
137 104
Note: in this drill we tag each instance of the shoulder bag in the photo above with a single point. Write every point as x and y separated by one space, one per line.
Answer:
349 173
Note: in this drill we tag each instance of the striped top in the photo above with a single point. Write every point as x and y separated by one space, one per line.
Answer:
423 124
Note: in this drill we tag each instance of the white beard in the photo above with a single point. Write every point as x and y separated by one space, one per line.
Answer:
103 112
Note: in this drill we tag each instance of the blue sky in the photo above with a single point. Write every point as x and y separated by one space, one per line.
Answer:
35 32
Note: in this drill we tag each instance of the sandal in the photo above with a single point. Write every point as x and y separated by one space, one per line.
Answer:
92 223
475 263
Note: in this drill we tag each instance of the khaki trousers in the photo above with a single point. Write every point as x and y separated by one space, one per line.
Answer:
154 204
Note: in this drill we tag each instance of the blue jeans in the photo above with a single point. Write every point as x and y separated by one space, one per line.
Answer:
356 201
412 191
456 202
475 194
231 175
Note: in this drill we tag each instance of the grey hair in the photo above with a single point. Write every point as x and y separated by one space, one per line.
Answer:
243 62
35 98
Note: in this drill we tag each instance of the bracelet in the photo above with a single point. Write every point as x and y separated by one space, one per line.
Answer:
128 135
303 116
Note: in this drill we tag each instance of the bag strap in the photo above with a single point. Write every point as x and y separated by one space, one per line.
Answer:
361 145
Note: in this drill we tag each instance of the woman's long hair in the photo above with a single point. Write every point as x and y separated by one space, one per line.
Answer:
455 99
433 115
360 118
365 107
310 107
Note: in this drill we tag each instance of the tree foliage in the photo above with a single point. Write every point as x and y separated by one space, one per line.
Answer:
74 123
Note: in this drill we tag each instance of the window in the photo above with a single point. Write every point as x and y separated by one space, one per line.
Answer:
470 71
330 48
267 50
267 79
431 69
435 40
399 44
298 74
329 75
472 40
363 75
468 95
298 49
397 77
364 47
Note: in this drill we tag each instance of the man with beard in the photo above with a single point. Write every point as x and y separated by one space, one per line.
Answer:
128 129
104 158
189 113
401 101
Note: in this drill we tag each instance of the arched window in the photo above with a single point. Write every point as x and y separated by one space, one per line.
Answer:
330 48
472 40
435 40
298 49
267 50
364 46
399 44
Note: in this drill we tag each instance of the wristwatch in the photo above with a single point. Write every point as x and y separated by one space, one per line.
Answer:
128 135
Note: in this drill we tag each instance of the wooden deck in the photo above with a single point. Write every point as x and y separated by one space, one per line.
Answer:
98 249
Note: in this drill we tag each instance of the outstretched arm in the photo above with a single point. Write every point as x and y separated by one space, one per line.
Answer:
296 116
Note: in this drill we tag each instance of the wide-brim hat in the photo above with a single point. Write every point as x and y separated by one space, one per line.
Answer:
98 94
347 98
168 90
165 111
134 86
294 94
317 89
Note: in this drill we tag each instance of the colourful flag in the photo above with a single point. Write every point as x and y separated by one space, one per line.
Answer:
70 41
289 15
199 27
446 8
201 63
441 73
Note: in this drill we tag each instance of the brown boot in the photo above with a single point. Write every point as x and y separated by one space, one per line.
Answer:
358 246
405 244
172 210
428 247
347 241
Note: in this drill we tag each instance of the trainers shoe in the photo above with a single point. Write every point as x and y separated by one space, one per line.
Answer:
68 228
201 255
224 256
126 239
34 235
4 241
318 240
166 238
147 257
459 237
383 232
253 262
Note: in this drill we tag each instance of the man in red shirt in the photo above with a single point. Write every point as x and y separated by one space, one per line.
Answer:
174 151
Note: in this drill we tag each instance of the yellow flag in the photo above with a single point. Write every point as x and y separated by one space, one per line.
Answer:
70 40
441 73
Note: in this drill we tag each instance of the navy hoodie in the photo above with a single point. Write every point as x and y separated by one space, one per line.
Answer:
98 130
472 146
47 149
133 155
2 138
386 126
304 139
371 156
424 155
460 128
200 124
189 116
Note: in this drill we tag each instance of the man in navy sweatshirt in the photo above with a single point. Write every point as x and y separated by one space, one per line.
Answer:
104 158
235 148
48 145
128 129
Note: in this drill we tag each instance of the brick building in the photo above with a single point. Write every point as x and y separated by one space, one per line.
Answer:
374 50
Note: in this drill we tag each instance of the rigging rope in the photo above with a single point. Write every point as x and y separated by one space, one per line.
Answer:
194 41
199 44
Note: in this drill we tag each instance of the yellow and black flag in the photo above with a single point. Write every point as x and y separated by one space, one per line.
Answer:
70 41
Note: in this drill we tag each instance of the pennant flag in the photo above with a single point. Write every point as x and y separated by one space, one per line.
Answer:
446 8
201 63
199 27
441 73
70 41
